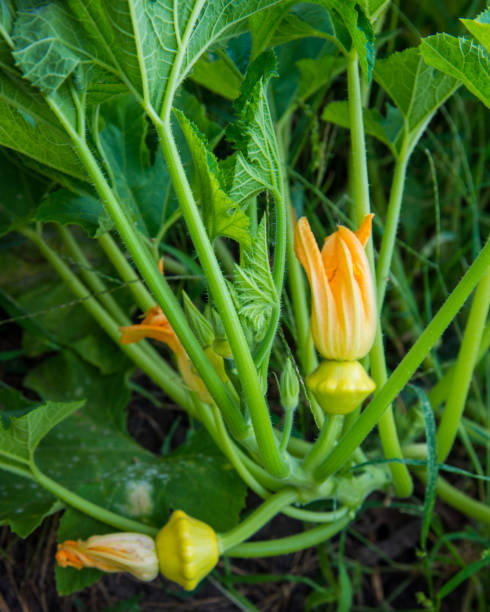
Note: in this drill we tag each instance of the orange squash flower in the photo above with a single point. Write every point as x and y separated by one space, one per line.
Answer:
156 325
343 317
115 552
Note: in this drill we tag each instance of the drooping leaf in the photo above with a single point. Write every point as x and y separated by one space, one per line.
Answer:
480 28
222 216
315 73
254 285
256 166
461 59
420 92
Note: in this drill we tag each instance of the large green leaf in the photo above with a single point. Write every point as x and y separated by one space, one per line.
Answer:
416 88
221 214
460 59
150 46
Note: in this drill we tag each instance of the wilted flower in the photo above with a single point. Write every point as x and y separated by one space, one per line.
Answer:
187 550
156 325
115 552
343 317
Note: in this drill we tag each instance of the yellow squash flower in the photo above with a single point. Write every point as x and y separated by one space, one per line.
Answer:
187 550
115 552
343 317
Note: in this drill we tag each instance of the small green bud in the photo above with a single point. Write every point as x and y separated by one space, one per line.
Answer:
289 387
340 386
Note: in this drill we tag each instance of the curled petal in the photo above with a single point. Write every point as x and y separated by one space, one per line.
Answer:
115 552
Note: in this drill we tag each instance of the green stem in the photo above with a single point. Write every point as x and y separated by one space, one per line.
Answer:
391 225
87 507
160 288
143 298
325 441
440 390
387 427
257 519
251 386
465 365
92 279
159 371
455 498
283 546
412 360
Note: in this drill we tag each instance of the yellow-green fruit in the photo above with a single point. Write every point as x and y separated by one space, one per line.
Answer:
187 550
340 386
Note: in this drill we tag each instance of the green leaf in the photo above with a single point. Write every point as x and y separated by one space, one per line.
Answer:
420 92
254 285
19 440
19 194
460 59
264 25
256 166
24 504
221 214
480 28
29 126
218 76
387 130
141 184
139 43
65 207
315 73
66 376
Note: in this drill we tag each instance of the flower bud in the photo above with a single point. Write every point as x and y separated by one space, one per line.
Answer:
343 313
340 386
114 552
289 387
187 550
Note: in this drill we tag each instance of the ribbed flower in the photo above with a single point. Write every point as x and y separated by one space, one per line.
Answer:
187 550
156 325
115 552
343 317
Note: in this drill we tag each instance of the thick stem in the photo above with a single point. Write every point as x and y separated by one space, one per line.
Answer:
87 507
257 519
387 426
325 441
402 374
159 371
283 546
463 373
251 387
